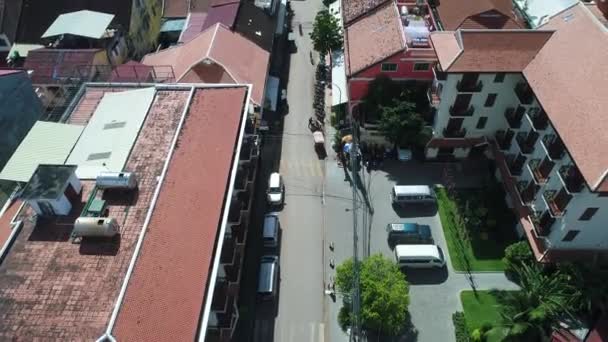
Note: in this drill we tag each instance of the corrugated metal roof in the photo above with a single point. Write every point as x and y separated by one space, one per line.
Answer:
23 49
46 143
108 137
83 23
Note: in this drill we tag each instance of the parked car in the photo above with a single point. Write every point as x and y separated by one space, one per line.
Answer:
276 189
271 229
403 195
408 233
419 256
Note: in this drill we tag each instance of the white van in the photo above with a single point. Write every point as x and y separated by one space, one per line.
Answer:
419 256
269 276
271 229
413 194
276 189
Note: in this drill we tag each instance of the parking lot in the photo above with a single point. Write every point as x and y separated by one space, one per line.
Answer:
434 294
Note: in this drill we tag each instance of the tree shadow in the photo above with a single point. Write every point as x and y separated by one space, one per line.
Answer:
409 333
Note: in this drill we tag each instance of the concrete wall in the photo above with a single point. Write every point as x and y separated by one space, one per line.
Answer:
405 61
19 110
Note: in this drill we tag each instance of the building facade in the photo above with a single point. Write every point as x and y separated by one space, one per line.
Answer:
540 125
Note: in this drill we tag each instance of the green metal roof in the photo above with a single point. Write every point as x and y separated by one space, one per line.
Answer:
81 23
46 143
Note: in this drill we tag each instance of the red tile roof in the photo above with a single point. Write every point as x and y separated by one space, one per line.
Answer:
175 8
6 227
53 289
217 55
132 72
568 76
373 38
488 50
492 14
225 14
193 27
49 65
353 9
167 289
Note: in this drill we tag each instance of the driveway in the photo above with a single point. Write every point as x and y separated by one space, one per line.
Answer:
434 294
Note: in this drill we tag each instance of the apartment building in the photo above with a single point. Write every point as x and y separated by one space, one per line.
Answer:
532 101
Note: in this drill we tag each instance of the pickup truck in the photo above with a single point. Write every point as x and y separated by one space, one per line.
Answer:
409 233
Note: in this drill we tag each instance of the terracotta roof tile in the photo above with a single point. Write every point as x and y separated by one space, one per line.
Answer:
49 65
241 59
489 50
6 219
373 38
167 290
175 8
568 76
353 9
453 13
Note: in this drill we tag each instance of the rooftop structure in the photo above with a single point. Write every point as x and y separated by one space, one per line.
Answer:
538 12
477 14
373 38
256 25
83 23
56 65
217 55
45 143
54 289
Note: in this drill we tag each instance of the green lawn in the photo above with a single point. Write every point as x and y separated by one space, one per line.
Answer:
483 308
481 251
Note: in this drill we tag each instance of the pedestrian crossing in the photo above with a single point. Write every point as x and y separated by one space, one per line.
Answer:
302 168
288 331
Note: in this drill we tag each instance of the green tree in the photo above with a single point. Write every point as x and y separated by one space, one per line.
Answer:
402 126
326 3
383 294
527 314
326 35
517 254
593 284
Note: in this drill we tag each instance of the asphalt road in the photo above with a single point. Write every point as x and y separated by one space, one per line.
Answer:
299 305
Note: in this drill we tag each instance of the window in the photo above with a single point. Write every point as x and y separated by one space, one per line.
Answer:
571 235
490 100
389 67
481 123
588 214
499 78
422 66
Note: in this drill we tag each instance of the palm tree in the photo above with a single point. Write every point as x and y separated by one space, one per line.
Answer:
542 299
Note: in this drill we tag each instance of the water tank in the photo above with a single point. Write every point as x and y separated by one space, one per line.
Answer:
95 227
116 180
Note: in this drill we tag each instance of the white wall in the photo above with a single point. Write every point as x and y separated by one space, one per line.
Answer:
496 121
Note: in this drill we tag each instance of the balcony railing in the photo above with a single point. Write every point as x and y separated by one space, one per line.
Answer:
434 95
527 191
555 146
526 141
542 223
539 119
513 117
469 87
557 201
504 139
572 177
462 111
515 163
524 93
454 133
541 169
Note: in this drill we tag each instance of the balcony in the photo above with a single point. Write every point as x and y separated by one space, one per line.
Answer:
454 133
515 163
554 145
504 139
572 178
542 223
539 119
469 87
557 201
541 170
524 93
439 75
514 117
434 95
526 141
527 191
462 111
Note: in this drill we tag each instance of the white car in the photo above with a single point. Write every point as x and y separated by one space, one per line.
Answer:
276 189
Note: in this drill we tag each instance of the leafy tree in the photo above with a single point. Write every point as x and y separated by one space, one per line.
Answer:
383 294
326 35
326 3
593 284
527 314
402 126
517 254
